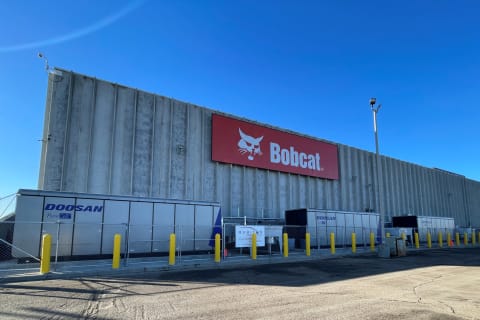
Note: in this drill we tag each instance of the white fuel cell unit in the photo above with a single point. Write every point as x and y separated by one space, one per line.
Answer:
84 224
321 223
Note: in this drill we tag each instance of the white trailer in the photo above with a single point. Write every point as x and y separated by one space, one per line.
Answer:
84 224
321 223
425 224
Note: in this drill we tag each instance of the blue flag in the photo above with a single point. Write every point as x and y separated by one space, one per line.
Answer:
217 228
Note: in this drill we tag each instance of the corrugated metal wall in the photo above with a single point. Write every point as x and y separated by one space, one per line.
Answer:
102 137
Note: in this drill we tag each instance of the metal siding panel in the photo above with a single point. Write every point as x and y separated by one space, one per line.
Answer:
78 147
409 189
384 186
302 191
140 232
27 235
248 199
430 189
260 191
60 228
142 153
55 128
87 230
398 188
178 169
184 226
361 182
393 188
235 188
282 190
415 193
163 226
472 200
162 149
203 226
357 183
194 151
419 193
210 182
115 219
388 187
122 148
102 131
349 228
343 185
273 195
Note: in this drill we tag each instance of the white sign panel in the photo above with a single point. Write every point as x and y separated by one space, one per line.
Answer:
243 236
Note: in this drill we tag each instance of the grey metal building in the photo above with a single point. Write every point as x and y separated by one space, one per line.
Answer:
101 137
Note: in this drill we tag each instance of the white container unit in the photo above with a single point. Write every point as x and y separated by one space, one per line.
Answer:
85 224
425 224
320 223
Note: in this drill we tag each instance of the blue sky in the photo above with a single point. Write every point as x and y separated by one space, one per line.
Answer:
307 66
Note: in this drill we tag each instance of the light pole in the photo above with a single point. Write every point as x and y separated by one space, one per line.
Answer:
375 110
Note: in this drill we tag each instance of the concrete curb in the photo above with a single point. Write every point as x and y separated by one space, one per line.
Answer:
99 268
102 268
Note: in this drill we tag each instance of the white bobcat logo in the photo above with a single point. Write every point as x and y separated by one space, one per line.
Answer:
248 144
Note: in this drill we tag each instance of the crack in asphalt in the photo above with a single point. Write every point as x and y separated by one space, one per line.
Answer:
420 301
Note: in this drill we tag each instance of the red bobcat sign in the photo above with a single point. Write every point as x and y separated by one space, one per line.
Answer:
248 144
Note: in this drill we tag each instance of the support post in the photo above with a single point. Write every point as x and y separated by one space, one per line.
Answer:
457 239
465 238
45 257
285 245
417 241
429 240
217 247
372 241
354 242
332 243
474 240
449 239
117 238
440 239
254 246
307 244
171 253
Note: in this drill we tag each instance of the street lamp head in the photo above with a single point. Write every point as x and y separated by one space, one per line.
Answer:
373 101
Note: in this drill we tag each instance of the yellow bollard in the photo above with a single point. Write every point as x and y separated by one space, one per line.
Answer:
171 254
417 241
217 247
307 244
285 245
465 238
404 236
479 236
372 241
457 239
449 239
440 239
429 240
473 238
332 243
254 246
45 257
387 235
354 242
117 238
